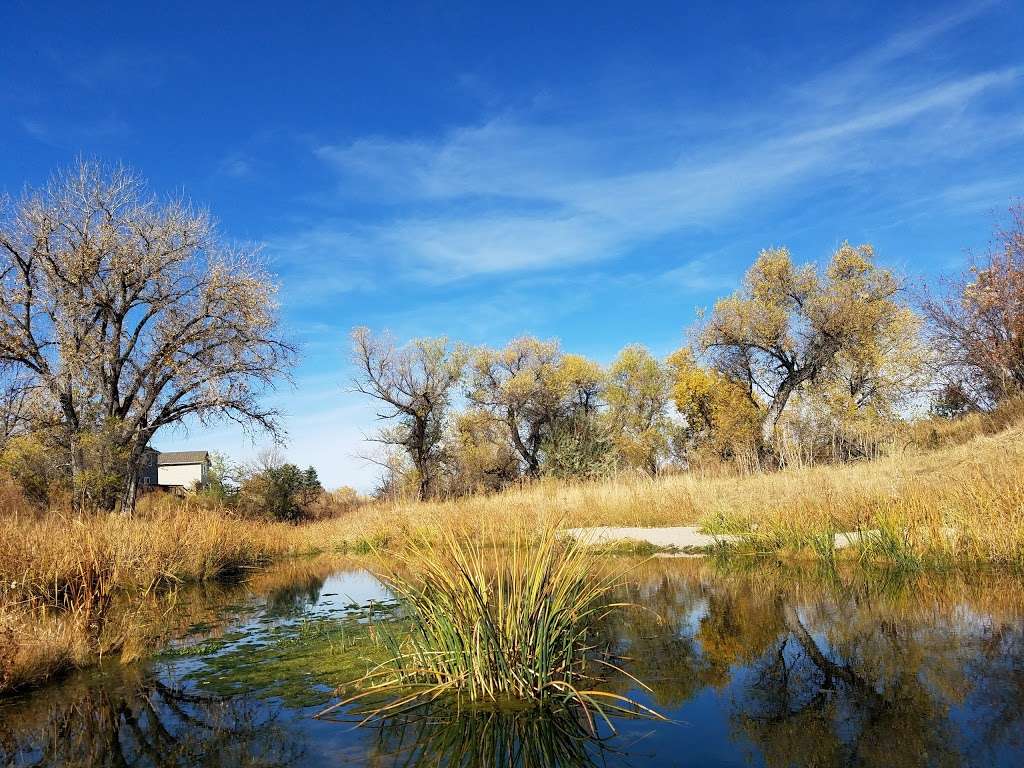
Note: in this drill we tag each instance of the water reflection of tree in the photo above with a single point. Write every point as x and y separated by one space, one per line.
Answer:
293 598
140 721
843 673
518 738
811 702
735 630
829 668
653 639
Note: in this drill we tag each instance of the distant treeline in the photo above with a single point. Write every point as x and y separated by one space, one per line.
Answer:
799 365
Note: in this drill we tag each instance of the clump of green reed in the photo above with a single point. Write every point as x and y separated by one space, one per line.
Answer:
496 622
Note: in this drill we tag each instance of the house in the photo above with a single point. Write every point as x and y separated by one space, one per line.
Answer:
174 470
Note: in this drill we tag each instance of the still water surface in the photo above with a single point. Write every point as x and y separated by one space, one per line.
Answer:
761 667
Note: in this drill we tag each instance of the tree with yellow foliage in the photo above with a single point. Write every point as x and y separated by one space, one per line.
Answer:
521 387
480 455
584 382
637 395
720 416
859 400
788 325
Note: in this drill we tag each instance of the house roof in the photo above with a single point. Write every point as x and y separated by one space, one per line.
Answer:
166 458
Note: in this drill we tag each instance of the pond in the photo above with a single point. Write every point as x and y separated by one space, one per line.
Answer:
759 665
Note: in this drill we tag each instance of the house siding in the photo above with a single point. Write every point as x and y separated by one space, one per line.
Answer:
184 475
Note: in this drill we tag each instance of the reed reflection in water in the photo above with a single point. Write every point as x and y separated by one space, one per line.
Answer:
530 737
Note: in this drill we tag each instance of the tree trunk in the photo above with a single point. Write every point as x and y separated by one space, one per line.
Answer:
770 421
129 493
420 457
424 487
77 455
528 456
77 470
130 482
533 467
773 413
652 465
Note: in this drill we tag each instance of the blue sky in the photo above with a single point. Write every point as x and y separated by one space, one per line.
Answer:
593 173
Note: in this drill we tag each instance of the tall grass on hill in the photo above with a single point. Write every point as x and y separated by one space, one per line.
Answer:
958 508
494 622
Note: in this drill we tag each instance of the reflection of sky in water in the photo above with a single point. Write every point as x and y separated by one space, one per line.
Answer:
342 589
314 598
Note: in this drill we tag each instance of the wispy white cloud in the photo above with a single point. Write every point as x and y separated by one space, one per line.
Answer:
115 68
858 74
70 132
980 194
236 166
699 275
511 194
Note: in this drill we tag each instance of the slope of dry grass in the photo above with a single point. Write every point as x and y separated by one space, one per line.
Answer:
963 500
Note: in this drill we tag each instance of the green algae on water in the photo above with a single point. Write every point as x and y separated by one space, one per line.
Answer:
300 664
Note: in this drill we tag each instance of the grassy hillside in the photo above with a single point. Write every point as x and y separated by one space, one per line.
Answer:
964 500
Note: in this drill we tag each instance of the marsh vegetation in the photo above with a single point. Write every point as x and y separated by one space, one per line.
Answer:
953 507
498 623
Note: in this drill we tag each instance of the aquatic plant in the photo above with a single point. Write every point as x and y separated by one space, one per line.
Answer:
496 622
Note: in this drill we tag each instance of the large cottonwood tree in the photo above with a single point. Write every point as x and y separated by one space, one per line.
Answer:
132 314
522 386
787 325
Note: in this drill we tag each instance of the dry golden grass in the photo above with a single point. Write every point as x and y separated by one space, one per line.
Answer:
954 507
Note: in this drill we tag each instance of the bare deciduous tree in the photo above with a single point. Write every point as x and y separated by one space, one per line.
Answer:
414 384
978 325
131 314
